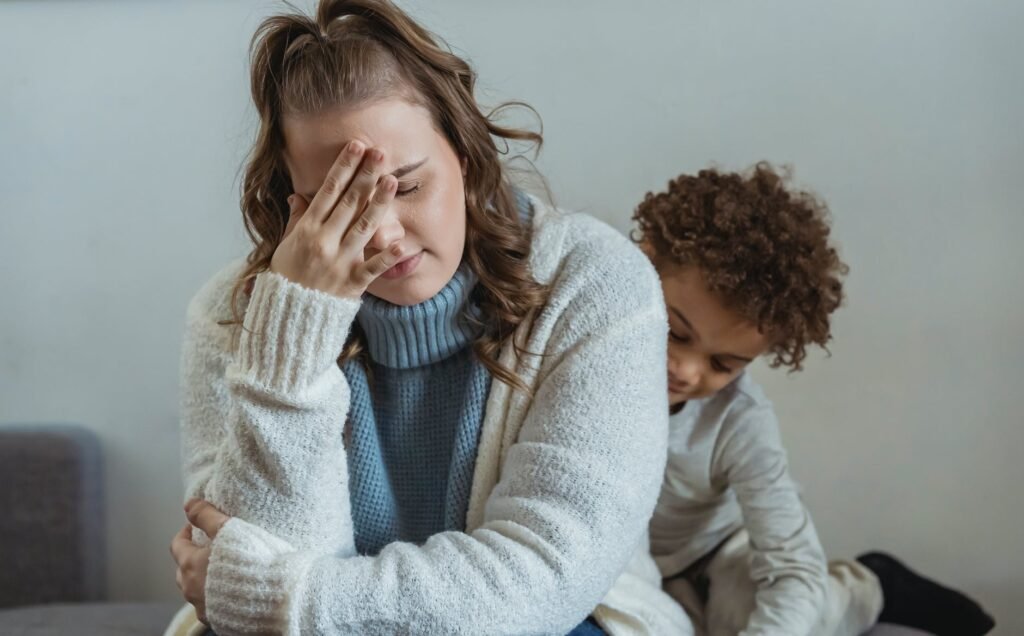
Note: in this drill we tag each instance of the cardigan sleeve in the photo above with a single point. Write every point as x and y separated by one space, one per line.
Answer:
262 411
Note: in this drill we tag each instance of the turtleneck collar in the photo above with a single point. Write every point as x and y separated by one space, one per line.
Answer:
405 337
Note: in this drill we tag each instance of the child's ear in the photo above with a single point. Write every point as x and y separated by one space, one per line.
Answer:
465 164
647 249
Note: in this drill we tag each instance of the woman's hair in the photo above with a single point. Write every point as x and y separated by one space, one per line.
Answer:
357 52
762 248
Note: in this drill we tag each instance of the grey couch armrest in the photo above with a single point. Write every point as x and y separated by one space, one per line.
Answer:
51 515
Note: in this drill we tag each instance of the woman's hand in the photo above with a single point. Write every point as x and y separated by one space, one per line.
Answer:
192 560
324 247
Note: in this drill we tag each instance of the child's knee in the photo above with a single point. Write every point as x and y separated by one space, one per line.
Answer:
683 593
861 588
731 595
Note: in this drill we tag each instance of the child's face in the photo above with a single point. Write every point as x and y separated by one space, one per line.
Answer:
708 345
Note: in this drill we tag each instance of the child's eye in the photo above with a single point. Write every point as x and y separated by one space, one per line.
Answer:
678 338
718 367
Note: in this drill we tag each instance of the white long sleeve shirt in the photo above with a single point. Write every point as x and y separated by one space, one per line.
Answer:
727 470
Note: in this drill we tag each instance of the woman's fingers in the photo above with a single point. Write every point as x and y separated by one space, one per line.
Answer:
352 202
181 544
362 230
203 515
297 207
371 270
337 181
330 235
192 561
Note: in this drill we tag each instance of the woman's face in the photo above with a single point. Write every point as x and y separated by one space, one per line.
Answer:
428 216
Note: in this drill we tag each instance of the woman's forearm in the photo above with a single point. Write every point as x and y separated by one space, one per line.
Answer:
262 426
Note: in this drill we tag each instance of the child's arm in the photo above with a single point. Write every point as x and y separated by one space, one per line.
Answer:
787 561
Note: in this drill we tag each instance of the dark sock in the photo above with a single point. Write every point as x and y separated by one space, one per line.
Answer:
914 601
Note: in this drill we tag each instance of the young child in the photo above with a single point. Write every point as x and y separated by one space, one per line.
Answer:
747 269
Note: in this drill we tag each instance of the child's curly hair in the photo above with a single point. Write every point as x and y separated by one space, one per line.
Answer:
763 250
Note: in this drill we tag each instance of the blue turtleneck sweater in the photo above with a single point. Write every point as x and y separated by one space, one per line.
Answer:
415 417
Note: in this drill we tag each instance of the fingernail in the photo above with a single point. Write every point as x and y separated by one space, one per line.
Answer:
355 147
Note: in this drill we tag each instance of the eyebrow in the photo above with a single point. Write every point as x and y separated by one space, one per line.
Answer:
407 168
697 335
685 321
398 173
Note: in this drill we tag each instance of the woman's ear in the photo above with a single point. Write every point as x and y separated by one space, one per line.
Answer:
464 164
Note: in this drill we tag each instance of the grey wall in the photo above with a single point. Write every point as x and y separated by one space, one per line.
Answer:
123 127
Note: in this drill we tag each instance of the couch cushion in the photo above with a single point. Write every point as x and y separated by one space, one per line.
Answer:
51 532
88 619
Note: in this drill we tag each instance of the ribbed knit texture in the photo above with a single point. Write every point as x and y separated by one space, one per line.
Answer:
415 418
416 336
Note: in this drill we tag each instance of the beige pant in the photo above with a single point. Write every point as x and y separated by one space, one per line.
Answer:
852 604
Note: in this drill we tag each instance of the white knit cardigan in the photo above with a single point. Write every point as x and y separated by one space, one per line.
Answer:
564 483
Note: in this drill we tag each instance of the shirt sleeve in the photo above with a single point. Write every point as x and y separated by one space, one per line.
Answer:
787 561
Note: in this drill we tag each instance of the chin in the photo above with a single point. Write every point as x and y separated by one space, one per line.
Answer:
675 399
414 289
404 293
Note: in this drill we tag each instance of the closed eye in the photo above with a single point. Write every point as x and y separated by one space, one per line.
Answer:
678 338
717 365
409 189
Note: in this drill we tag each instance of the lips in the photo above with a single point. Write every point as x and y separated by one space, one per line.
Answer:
676 387
404 267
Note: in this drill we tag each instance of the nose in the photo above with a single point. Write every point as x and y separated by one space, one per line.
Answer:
389 231
684 369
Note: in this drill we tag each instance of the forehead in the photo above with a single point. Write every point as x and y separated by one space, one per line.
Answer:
403 131
686 292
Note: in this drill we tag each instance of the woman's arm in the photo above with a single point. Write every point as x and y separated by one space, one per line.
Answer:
262 424
573 500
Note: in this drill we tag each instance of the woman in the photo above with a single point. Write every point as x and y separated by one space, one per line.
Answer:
429 403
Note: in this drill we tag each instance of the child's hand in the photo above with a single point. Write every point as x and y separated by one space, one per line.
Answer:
323 244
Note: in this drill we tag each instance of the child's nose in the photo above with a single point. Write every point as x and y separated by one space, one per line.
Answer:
685 370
